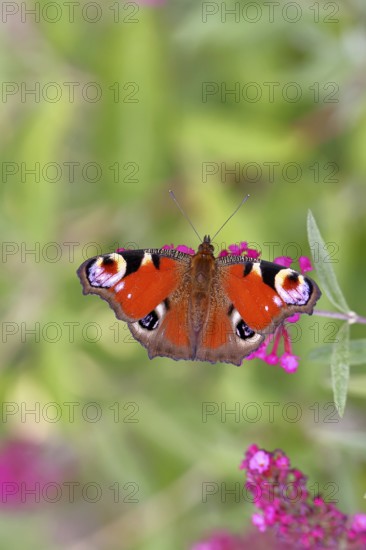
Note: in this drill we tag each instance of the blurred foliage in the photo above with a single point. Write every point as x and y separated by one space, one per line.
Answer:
153 128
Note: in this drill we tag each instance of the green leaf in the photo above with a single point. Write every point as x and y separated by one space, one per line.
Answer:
323 268
357 353
339 366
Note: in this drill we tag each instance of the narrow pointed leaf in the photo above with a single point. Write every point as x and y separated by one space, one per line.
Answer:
324 269
340 368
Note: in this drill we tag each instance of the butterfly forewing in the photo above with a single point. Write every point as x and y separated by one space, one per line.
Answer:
134 282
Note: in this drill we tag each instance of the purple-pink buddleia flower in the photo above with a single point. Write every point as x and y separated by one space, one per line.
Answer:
305 264
240 249
28 470
286 506
285 261
180 248
287 516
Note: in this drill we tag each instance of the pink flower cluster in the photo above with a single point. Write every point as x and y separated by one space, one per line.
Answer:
240 249
234 249
280 492
288 518
180 247
29 472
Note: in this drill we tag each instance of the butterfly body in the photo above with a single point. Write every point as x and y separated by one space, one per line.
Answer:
197 307
201 277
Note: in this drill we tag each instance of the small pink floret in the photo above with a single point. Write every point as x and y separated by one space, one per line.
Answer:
285 261
271 359
305 264
185 249
289 362
259 521
359 523
259 462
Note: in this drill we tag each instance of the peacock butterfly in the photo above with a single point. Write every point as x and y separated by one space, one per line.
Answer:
198 307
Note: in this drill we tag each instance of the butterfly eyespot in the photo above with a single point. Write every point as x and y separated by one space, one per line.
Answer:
292 287
150 322
241 328
243 331
106 271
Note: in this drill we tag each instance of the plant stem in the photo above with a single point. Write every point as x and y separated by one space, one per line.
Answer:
351 316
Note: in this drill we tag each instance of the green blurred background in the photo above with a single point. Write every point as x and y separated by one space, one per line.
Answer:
128 101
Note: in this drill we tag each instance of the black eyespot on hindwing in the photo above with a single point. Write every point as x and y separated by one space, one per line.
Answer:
243 331
150 322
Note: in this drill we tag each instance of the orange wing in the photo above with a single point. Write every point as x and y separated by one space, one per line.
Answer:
265 293
134 282
147 289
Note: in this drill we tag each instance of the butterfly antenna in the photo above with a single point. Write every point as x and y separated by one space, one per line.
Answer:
229 218
184 214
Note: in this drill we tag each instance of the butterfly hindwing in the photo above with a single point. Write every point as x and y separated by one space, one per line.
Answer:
170 336
226 337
